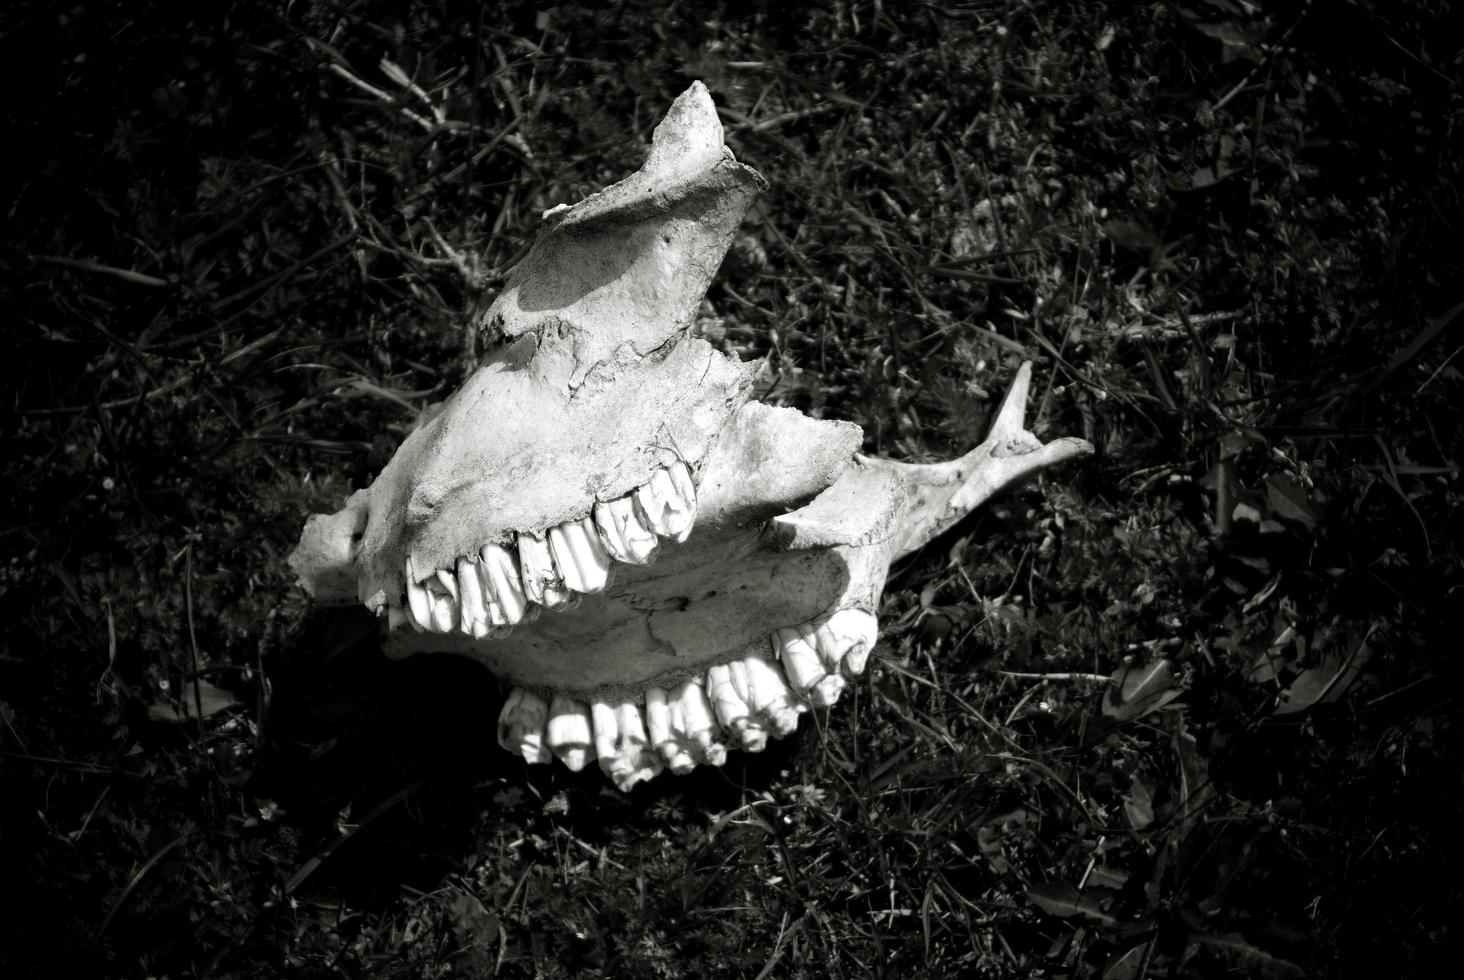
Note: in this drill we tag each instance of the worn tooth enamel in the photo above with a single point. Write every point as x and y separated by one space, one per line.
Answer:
666 513
637 542
662 720
570 734
692 711
502 588
610 536
607 733
396 617
821 639
800 661
772 699
470 596
418 601
685 489
638 761
621 744
730 705
579 556
851 636
542 581
442 588
521 725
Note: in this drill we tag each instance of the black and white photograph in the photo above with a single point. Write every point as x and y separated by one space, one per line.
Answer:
846 489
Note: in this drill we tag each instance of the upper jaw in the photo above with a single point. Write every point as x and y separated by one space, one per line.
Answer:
510 455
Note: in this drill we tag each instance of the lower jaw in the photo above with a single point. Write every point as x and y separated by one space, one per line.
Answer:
739 704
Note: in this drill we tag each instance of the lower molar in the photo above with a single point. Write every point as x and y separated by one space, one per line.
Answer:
807 673
622 745
694 723
730 705
769 696
570 733
521 725
845 640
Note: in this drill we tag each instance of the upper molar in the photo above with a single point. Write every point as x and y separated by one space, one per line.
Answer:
542 581
581 559
470 597
624 533
442 586
419 603
668 501
503 591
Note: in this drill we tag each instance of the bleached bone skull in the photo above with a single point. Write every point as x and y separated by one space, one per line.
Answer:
708 567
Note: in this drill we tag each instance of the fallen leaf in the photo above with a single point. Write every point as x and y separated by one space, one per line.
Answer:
211 699
1289 501
1137 690
1138 804
1064 901
1256 962
1328 681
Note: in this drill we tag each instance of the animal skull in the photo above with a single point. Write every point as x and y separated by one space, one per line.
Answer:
710 565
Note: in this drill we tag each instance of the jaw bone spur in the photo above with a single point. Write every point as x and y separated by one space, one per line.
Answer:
660 568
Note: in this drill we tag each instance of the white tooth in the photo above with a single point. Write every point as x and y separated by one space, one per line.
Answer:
621 744
542 582
685 486
610 535
579 556
685 489
521 725
607 734
662 717
418 601
666 513
637 543
771 698
570 737
638 762
693 713
731 706
442 587
470 595
502 588
851 634
820 638
800 660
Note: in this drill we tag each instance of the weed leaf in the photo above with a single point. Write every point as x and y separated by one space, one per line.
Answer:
1137 690
1064 901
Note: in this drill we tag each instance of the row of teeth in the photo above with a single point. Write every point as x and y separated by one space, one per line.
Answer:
488 594
736 705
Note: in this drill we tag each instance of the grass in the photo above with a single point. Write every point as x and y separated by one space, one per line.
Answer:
1184 710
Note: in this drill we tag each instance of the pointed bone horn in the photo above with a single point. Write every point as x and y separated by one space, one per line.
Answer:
943 493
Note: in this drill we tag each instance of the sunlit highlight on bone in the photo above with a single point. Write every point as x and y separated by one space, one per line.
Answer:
712 566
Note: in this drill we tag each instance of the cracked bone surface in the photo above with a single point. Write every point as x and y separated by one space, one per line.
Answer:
708 567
